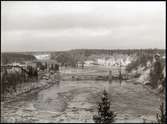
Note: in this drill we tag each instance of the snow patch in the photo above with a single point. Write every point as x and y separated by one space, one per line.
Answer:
43 56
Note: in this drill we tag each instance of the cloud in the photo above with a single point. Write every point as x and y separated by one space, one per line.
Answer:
39 15
90 24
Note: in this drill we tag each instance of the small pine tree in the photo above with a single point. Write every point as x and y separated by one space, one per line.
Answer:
104 114
161 118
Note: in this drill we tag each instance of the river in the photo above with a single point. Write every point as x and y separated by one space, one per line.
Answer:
76 101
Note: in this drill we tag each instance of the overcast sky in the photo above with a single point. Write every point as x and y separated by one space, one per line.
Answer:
55 25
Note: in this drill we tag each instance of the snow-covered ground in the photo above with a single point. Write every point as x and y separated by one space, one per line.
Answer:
43 56
144 72
114 60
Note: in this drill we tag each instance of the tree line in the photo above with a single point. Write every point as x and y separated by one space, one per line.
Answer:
7 58
10 78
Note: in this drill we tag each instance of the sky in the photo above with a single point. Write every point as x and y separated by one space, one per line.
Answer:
56 25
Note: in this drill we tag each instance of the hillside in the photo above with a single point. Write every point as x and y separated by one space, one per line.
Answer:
142 66
7 58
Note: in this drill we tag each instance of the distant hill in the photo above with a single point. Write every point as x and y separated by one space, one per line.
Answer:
20 56
15 57
88 52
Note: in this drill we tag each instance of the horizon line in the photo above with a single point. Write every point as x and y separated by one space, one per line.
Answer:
86 49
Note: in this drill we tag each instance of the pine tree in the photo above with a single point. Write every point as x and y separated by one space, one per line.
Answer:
104 114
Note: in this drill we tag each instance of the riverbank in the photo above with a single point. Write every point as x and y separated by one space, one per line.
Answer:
26 88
